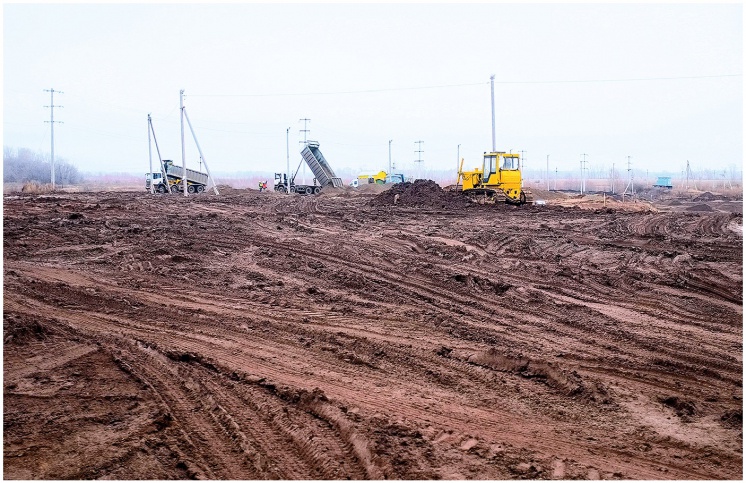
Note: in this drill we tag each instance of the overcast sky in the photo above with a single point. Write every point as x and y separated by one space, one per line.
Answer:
661 83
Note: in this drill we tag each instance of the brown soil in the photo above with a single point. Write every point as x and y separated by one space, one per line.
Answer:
262 336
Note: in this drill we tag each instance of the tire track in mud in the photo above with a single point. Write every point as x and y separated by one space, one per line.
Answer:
373 402
189 399
469 421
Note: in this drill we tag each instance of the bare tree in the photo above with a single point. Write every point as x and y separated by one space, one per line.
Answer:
23 165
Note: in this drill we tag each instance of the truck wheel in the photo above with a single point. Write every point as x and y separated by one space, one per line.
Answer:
316 190
161 189
309 190
190 189
200 189
280 188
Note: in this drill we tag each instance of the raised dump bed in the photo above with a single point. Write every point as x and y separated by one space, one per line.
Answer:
319 166
192 175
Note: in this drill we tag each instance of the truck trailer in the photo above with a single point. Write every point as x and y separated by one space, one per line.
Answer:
196 180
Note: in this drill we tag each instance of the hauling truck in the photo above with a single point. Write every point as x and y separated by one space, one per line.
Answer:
281 185
196 180
323 173
499 179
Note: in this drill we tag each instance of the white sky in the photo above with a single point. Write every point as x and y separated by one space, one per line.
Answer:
252 70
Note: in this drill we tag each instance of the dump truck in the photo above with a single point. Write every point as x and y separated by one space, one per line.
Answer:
196 180
323 173
281 185
499 179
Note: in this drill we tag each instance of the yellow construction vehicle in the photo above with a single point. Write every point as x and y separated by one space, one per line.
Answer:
499 179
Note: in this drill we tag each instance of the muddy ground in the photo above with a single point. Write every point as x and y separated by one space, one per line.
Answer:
261 336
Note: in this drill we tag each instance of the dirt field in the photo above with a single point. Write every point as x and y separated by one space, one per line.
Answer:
261 336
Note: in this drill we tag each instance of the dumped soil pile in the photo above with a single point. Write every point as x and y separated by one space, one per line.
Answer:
700 207
422 194
707 196
275 337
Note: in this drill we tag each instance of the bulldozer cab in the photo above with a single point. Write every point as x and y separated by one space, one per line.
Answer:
499 161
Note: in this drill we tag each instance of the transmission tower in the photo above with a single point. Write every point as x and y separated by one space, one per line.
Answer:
419 159
630 189
690 174
51 122
583 168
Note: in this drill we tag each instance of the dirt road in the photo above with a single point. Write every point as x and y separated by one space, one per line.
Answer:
258 336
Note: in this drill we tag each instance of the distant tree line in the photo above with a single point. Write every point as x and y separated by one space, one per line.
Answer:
23 166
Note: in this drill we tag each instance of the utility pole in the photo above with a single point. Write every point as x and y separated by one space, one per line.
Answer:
287 149
548 173
151 130
630 189
492 89
612 178
150 159
305 131
419 152
582 173
51 122
183 151
555 178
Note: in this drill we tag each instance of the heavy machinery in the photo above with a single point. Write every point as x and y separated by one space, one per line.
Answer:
378 178
499 179
323 173
281 185
196 180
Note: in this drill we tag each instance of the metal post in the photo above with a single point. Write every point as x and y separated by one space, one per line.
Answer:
158 151
492 88
150 160
183 152
202 156
287 148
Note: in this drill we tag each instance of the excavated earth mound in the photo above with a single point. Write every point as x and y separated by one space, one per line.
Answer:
421 193
707 196
700 207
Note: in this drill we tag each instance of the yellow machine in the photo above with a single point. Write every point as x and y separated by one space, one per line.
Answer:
379 178
500 177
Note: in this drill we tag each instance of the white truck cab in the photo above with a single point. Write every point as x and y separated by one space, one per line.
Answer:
149 177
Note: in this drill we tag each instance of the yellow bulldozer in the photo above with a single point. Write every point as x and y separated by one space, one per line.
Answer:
499 179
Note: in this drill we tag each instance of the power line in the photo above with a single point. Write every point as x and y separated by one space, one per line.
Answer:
339 92
640 79
392 89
